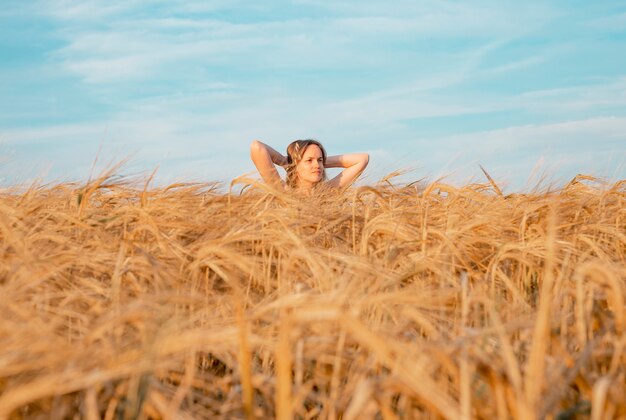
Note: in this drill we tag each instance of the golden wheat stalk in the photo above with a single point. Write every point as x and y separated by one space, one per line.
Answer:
398 301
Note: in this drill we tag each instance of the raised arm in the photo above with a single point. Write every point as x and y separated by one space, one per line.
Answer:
264 158
354 164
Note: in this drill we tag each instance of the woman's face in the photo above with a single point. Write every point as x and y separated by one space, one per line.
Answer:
310 169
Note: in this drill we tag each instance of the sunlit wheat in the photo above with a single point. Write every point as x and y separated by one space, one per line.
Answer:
387 301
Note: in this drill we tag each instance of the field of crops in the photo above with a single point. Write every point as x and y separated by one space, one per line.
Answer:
387 301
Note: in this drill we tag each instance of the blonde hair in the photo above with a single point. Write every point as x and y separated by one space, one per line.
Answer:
295 151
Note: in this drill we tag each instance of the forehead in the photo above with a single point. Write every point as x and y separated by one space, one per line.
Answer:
312 150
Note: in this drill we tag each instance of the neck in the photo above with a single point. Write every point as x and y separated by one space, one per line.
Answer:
306 187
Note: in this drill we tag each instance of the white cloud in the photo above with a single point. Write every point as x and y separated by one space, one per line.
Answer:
595 146
515 65
125 44
615 22
575 98
215 147
86 10
448 18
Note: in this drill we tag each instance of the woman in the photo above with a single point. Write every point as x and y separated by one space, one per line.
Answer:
305 164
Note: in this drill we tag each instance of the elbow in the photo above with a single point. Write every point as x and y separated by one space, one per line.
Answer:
256 148
365 159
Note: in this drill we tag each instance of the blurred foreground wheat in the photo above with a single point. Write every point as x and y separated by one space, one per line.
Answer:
419 301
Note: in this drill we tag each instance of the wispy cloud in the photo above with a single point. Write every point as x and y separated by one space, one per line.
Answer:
595 146
615 22
608 93
516 65
125 43
450 18
216 148
87 11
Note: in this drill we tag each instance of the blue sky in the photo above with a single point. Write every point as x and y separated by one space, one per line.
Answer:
437 87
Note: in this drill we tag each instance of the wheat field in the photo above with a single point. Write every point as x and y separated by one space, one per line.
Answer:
424 300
